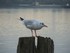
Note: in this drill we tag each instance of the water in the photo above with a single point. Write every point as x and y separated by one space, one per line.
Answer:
58 21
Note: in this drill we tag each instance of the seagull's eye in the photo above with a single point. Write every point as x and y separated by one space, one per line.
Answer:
42 23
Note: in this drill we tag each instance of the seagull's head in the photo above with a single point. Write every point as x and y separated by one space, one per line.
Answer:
43 25
21 19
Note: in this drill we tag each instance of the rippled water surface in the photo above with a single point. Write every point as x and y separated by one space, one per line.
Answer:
58 21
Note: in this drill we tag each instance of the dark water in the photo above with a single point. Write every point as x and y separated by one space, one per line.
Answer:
58 21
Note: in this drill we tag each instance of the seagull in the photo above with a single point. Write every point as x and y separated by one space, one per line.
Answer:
33 25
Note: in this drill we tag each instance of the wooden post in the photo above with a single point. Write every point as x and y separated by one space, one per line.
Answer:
27 45
45 45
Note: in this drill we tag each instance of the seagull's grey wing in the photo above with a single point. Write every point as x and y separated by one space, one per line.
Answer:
28 22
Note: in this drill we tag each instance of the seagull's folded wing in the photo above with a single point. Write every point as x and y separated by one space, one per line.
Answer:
28 22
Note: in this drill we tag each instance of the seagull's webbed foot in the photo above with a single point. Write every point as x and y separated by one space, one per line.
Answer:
32 36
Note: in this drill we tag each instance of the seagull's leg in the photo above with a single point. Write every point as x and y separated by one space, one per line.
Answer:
35 33
32 33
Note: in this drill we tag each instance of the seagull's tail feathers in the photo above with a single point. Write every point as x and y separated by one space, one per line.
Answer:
21 19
